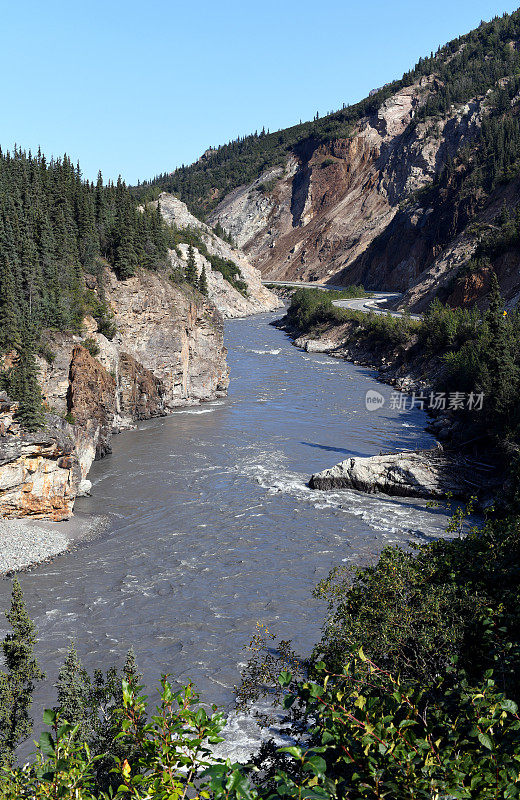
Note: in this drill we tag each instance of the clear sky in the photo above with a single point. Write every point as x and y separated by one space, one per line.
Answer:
137 88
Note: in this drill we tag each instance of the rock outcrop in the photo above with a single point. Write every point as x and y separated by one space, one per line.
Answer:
426 474
40 472
167 352
229 301
349 210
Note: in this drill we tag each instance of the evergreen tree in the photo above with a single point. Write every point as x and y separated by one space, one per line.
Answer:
503 371
23 386
72 687
203 282
18 680
191 267
126 259
130 669
9 330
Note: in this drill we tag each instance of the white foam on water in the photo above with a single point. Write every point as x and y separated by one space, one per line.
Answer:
265 352
242 734
194 411
401 518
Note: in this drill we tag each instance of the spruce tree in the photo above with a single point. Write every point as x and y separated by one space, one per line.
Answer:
191 267
126 258
203 282
18 680
24 387
503 371
9 313
73 687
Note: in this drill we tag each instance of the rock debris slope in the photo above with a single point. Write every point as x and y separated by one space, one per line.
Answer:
229 301
320 215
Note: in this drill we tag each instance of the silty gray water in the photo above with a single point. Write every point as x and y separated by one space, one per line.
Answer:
210 526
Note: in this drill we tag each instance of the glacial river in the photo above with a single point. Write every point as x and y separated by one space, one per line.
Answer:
208 526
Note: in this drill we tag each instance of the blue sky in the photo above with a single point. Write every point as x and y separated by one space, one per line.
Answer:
137 88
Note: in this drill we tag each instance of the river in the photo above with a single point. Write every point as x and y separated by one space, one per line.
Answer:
208 526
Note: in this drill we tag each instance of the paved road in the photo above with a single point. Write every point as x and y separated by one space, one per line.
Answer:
365 304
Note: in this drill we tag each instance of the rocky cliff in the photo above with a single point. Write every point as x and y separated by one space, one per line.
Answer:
228 299
39 472
330 212
167 351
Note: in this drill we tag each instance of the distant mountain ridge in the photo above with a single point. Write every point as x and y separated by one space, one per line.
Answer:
405 190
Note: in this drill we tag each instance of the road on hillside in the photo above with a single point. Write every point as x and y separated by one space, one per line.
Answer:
367 304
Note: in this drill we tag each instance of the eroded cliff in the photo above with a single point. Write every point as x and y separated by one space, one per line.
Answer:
167 351
325 213
231 302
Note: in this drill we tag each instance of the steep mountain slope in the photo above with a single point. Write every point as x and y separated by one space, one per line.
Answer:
335 198
401 191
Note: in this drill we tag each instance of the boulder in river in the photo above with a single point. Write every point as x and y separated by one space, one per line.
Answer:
422 473
315 345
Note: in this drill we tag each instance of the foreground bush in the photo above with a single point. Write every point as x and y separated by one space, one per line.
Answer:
367 735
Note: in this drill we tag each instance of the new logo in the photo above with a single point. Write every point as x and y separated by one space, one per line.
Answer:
374 400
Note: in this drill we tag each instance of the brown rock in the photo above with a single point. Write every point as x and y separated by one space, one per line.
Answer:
91 396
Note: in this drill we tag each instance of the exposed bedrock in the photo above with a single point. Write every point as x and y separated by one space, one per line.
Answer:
426 473
168 351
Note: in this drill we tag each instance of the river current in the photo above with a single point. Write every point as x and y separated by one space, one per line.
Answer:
208 526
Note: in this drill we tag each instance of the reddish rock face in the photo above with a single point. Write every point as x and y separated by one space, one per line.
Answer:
471 289
140 392
91 396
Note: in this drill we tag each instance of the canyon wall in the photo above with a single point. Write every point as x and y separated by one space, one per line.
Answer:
167 352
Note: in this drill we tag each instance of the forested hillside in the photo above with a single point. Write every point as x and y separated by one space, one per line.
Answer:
53 227
464 68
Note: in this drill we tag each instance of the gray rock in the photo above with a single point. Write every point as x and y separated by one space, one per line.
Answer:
319 345
426 473
84 489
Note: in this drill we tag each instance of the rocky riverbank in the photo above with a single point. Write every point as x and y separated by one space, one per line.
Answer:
433 474
28 542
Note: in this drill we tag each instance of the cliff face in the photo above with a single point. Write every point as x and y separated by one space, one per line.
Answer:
228 300
344 211
39 472
168 351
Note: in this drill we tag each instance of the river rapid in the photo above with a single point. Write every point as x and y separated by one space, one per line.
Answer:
208 526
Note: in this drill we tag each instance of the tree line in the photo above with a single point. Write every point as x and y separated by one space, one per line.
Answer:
54 228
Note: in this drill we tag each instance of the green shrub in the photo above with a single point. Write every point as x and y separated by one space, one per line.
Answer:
91 345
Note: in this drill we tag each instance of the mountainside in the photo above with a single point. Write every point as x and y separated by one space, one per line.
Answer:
404 191
240 297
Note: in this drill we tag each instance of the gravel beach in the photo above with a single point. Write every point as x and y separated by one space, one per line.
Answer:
25 542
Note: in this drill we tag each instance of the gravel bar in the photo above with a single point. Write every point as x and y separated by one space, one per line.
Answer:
26 542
